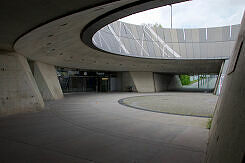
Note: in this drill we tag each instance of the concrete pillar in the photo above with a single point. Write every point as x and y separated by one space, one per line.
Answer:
127 82
161 81
155 82
227 135
18 89
220 78
47 81
143 81
174 83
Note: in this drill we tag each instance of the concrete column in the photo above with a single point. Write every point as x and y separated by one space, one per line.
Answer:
18 89
220 78
161 81
227 135
127 82
143 81
47 81
174 83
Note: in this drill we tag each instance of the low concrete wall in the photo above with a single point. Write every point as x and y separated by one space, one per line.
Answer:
227 135
18 89
47 81
143 81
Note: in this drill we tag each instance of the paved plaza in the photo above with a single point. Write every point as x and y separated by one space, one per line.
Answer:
94 127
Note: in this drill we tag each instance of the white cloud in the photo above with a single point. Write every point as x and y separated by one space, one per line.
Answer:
193 14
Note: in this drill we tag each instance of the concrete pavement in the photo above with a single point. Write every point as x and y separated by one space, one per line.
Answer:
191 104
89 127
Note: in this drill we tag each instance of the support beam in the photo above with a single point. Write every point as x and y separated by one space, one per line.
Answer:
47 81
155 82
174 83
19 91
143 81
226 142
127 82
221 76
161 82
218 79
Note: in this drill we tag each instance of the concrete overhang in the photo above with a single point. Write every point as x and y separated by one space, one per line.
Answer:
51 32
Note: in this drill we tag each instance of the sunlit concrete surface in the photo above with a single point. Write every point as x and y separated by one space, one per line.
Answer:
191 104
89 127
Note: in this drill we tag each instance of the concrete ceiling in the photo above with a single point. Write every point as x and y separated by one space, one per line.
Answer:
19 17
49 31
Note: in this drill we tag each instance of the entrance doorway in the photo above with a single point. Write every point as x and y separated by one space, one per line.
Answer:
85 81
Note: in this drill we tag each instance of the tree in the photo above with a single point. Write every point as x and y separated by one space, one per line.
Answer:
185 79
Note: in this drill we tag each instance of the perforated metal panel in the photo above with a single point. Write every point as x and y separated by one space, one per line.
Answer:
155 42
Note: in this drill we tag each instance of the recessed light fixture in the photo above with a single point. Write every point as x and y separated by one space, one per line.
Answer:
98 9
63 24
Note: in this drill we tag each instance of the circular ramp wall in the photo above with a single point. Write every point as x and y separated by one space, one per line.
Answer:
58 43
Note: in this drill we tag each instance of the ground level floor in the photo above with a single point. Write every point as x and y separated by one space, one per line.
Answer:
94 127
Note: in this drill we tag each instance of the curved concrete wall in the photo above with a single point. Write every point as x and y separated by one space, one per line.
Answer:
59 43
155 42
226 142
